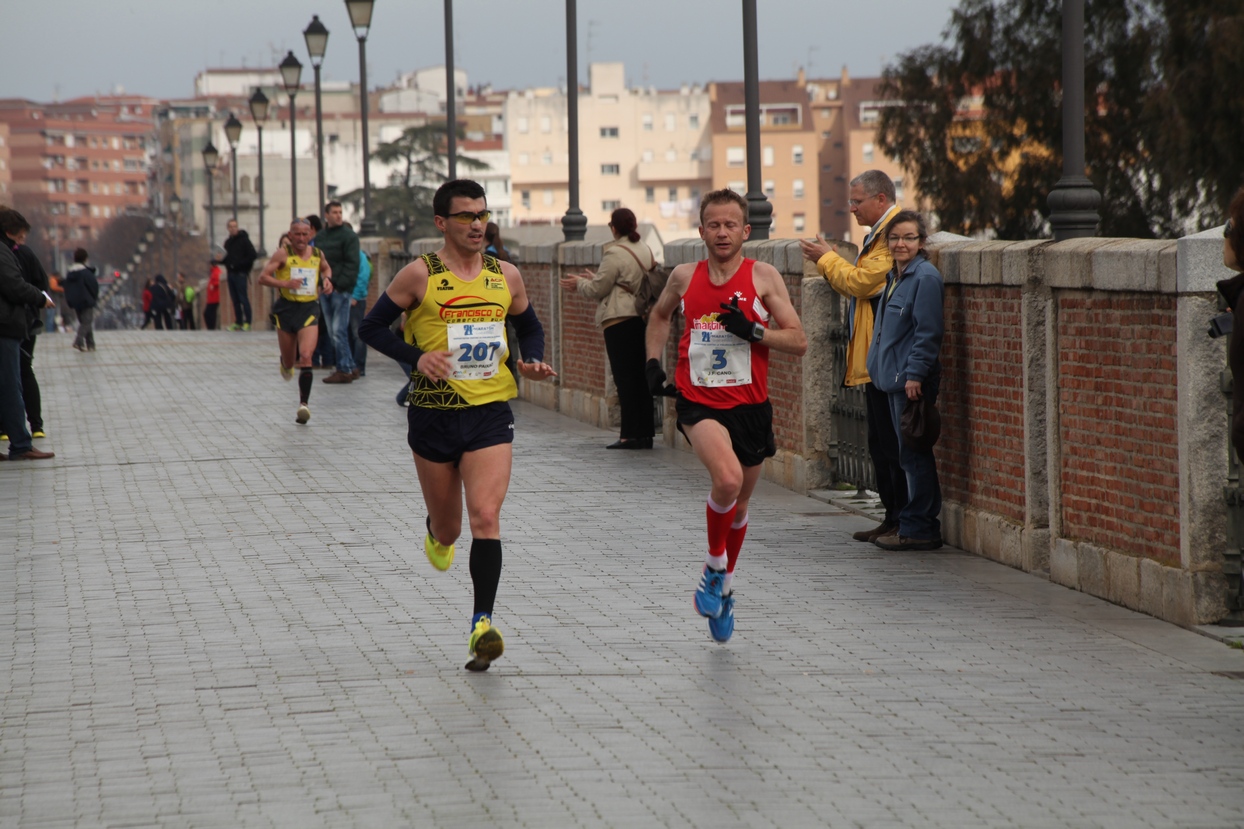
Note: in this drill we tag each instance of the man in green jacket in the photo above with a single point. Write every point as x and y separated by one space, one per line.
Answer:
340 246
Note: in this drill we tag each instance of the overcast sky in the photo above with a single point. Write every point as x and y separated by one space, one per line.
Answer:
68 48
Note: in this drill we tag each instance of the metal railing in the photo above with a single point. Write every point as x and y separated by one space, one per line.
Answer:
850 414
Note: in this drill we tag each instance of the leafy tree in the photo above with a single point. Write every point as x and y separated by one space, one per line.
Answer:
980 124
404 207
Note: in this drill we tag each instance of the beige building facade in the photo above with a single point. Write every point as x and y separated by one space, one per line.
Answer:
644 149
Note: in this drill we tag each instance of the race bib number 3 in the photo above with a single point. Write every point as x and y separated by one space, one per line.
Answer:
478 348
306 281
718 358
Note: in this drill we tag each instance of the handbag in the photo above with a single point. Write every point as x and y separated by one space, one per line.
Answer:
920 424
650 286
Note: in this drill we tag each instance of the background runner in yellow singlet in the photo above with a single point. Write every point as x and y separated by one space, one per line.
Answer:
301 273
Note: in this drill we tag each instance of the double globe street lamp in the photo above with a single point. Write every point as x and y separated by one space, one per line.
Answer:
291 76
360 19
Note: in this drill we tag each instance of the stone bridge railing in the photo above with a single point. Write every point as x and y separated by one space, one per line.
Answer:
1084 427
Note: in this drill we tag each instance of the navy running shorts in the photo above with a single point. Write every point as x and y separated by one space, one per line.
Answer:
292 317
750 427
444 435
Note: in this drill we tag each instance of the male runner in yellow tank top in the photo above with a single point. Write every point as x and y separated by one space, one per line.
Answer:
457 302
301 273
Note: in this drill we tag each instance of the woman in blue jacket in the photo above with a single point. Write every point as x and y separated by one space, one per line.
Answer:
903 362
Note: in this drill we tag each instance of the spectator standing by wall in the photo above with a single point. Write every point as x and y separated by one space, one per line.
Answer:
904 361
163 300
340 245
82 292
14 227
872 201
623 268
238 261
17 297
358 309
211 310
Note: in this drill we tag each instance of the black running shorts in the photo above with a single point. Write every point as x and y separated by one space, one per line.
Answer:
291 316
444 435
750 427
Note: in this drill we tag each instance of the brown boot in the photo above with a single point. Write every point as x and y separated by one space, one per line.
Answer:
869 536
32 455
354 375
338 377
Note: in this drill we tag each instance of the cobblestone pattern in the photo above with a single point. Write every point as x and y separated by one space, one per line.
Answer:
210 617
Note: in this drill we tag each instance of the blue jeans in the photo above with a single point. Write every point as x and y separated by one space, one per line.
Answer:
336 307
12 404
239 292
924 492
357 347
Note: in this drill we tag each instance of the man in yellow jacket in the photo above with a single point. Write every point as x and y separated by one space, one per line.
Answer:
872 200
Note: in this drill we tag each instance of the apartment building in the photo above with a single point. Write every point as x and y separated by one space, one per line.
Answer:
644 149
76 165
6 174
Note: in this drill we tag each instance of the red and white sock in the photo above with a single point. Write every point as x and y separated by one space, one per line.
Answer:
719 520
734 543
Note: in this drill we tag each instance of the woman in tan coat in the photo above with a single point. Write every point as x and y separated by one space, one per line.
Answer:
622 268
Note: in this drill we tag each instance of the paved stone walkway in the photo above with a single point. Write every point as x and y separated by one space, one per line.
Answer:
212 617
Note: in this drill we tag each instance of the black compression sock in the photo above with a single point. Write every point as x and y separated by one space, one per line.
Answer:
304 385
485 572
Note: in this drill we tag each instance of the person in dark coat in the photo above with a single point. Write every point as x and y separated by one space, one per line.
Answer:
14 227
82 292
163 300
239 259
1233 258
17 298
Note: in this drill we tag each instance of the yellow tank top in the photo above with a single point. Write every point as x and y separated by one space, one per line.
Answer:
468 320
305 269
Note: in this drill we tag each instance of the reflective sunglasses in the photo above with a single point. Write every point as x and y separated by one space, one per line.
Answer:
910 240
467 217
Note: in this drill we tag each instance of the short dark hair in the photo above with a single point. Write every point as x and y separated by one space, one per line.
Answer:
333 203
922 228
80 255
315 222
723 196
875 183
12 222
463 188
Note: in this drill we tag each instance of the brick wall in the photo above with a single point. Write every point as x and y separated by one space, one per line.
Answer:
584 362
786 382
537 279
1119 417
980 454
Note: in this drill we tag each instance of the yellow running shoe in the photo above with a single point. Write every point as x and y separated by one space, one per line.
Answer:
441 555
485 645
287 374
37 433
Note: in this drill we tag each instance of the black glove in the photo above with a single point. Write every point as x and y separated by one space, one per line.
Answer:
736 322
656 380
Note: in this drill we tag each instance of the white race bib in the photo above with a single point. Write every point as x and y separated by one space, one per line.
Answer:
718 358
478 349
306 281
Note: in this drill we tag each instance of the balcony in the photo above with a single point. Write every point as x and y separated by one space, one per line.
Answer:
684 170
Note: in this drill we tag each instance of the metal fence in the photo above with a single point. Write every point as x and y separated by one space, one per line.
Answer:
850 423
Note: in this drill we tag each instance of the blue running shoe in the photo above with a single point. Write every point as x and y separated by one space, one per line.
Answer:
722 628
708 594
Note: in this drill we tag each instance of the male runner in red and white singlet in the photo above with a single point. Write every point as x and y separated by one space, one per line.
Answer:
735 310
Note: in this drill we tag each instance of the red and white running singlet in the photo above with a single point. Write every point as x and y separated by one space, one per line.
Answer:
716 368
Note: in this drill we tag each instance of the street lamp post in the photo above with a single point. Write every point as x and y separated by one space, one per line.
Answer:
174 207
451 100
291 75
1073 202
210 157
759 212
159 226
360 19
574 223
316 36
233 131
259 113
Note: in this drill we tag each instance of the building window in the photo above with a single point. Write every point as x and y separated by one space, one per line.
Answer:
608 132
548 196
671 155
610 170
796 154
797 189
767 156
868 153
525 198
524 159
898 188
546 124
650 194
244 184
694 195
646 121
693 121
647 155
673 194
523 125
547 158
610 205
72 187
739 187
671 122
736 156
799 223
770 189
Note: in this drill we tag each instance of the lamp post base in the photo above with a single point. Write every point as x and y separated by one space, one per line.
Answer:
574 225
1073 208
